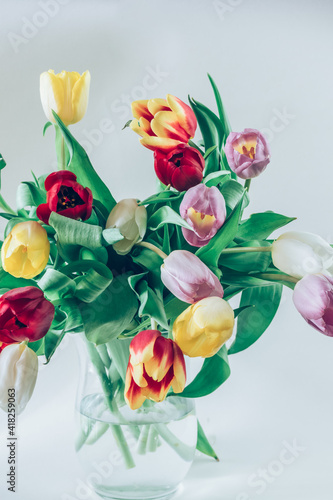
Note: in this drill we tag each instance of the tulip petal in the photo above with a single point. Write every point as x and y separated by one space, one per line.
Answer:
185 114
166 124
140 110
159 364
142 346
80 95
179 369
162 143
156 105
132 393
295 258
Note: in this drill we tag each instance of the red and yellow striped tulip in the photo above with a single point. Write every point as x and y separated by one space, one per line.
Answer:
155 364
163 124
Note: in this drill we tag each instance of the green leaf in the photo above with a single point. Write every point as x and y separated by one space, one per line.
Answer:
209 151
46 126
2 162
260 226
38 347
203 444
216 178
73 234
56 285
162 197
210 253
52 341
108 316
235 278
9 281
233 192
214 372
248 261
150 303
70 306
90 286
111 236
81 166
253 322
29 195
222 114
165 215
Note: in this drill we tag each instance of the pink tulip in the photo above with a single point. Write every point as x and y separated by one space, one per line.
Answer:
188 278
313 298
247 152
204 210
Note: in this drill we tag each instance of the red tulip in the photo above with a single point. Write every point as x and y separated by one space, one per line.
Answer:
66 197
25 315
182 167
155 364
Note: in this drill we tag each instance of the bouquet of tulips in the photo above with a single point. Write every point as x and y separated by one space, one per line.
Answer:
147 282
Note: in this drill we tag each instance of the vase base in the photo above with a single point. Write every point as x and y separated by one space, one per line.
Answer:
138 494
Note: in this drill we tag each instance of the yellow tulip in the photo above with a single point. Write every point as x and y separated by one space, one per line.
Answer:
203 328
25 252
65 93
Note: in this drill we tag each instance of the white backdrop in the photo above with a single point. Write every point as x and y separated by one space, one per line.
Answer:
272 62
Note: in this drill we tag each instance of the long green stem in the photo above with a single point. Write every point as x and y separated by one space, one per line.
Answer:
183 450
153 248
247 184
63 154
246 250
277 277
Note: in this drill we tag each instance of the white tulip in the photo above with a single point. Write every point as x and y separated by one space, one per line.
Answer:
299 253
18 370
131 220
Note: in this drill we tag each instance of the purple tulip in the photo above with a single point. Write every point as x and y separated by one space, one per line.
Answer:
204 210
313 298
188 278
247 152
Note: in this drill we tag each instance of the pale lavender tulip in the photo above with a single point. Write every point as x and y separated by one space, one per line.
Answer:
204 210
188 278
247 152
313 298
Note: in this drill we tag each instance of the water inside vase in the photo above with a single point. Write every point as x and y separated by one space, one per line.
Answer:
136 455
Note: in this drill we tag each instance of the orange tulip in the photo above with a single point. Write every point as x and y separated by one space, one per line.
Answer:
155 364
163 123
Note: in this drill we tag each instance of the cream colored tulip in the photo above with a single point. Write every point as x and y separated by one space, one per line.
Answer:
25 252
131 220
18 371
66 93
299 253
203 328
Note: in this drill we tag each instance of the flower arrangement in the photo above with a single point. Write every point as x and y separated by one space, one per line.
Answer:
148 282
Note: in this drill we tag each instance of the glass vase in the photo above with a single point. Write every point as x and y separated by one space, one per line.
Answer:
129 454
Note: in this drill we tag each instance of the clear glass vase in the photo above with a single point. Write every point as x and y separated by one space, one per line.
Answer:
129 454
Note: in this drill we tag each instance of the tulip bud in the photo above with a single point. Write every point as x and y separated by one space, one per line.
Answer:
298 253
155 364
163 123
131 220
25 315
25 252
313 298
65 93
18 371
203 328
188 278
182 167
204 210
66 197
247 152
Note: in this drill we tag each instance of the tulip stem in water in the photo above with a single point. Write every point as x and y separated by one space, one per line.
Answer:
246 250
247 185
153 248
